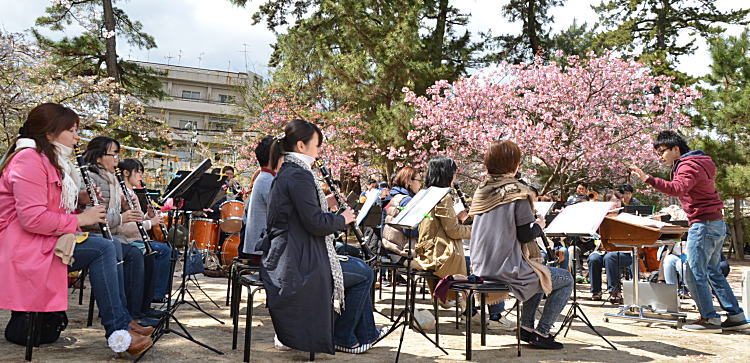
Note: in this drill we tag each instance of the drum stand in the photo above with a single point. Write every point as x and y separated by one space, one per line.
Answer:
575 308
163 327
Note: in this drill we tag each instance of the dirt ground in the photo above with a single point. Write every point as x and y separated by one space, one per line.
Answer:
635 342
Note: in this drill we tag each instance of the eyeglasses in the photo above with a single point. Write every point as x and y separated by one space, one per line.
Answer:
115 155
661 151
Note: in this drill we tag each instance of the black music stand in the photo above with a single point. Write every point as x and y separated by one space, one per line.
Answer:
415 211
190 191
559 227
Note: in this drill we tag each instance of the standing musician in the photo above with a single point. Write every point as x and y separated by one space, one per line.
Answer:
305 281
256 208
503 227
39 198
132 171
692 181
102 155
439 248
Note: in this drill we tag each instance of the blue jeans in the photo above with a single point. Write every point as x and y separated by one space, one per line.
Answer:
674 270
495 310
99 256
704 243
161 270
562 286
614 263
356 324
134 273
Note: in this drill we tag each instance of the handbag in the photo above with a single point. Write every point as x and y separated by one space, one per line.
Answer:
51 324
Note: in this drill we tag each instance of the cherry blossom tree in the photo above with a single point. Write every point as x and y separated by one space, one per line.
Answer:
585 122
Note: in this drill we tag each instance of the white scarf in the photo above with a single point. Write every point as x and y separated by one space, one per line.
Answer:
305 161
71 180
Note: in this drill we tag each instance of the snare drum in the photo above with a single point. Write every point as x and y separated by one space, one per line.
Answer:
205 233
232 212
229 250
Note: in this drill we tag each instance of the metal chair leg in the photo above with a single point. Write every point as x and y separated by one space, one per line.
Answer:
469 305
248 325
90 319
31 333
482 302
235 303
518 326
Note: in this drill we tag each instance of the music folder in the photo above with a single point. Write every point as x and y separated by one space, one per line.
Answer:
419 207
581 219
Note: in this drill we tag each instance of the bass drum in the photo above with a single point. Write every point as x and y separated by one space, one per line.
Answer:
230 249
205 233
232 212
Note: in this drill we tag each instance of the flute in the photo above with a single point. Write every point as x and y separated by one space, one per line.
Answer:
142 231
343 205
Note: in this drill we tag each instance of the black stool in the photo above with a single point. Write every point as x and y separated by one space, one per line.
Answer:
232 268
238 269
253 284
425 275
482 289
393 268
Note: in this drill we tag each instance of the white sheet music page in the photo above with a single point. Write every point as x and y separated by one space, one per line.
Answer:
372 196
418 207
542 208
581 219
641 221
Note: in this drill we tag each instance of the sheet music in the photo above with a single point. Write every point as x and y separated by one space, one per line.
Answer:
543 207
418 207
581 219
371 197
641 221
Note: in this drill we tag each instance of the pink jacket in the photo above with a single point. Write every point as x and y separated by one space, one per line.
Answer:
31 219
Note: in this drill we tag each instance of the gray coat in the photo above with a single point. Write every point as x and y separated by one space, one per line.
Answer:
295 268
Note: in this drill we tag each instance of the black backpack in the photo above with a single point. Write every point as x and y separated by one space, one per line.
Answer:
50 326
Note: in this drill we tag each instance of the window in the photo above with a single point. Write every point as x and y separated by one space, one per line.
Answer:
222 120
226 98
187 124
220 126
194 95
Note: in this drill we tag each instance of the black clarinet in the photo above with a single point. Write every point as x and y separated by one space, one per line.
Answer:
151 205
343 205
461 195
144 236
83 169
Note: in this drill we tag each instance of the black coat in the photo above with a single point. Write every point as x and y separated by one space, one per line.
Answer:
295 268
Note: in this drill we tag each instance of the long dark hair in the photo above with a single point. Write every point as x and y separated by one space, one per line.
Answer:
440 171
45 119
295 130
96 149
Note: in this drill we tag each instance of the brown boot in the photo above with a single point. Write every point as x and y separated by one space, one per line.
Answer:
138 343
146 331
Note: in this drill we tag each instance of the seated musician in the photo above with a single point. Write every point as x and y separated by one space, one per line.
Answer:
504 224
257 205
439 248
39 197
406 184
102 155
234 188
132 171
581 194
626 195
306 283
613 262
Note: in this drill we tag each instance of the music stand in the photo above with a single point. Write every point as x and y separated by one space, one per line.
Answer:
578 220
639 210
191 191
415 211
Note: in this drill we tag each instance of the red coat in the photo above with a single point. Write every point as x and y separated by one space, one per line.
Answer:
693 183
31 220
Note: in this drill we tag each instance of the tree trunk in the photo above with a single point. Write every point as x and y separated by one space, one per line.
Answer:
531 25
438 37
739 229
110 55
661 25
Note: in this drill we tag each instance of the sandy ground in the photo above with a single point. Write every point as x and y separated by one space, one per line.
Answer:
635 342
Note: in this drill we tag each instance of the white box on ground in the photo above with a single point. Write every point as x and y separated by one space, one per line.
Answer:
746 293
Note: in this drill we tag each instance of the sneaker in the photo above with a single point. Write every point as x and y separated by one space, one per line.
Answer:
616 298
526 335
734 324
545 342
504 324
359 349
448 304
279 345
597 296
705 326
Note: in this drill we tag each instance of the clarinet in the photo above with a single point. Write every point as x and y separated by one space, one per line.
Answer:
83 169
150 205
366 253
461 195
144 236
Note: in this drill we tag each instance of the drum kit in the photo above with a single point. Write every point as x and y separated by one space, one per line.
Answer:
206 234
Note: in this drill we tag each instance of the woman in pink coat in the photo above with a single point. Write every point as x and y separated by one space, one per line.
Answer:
39 191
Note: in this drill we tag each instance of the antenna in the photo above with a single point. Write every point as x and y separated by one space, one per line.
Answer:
229 65
168 57
179 57
200 57
244 45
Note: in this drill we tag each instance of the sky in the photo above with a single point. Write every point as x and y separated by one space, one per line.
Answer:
217 35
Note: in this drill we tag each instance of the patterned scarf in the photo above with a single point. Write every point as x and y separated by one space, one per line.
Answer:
338 277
